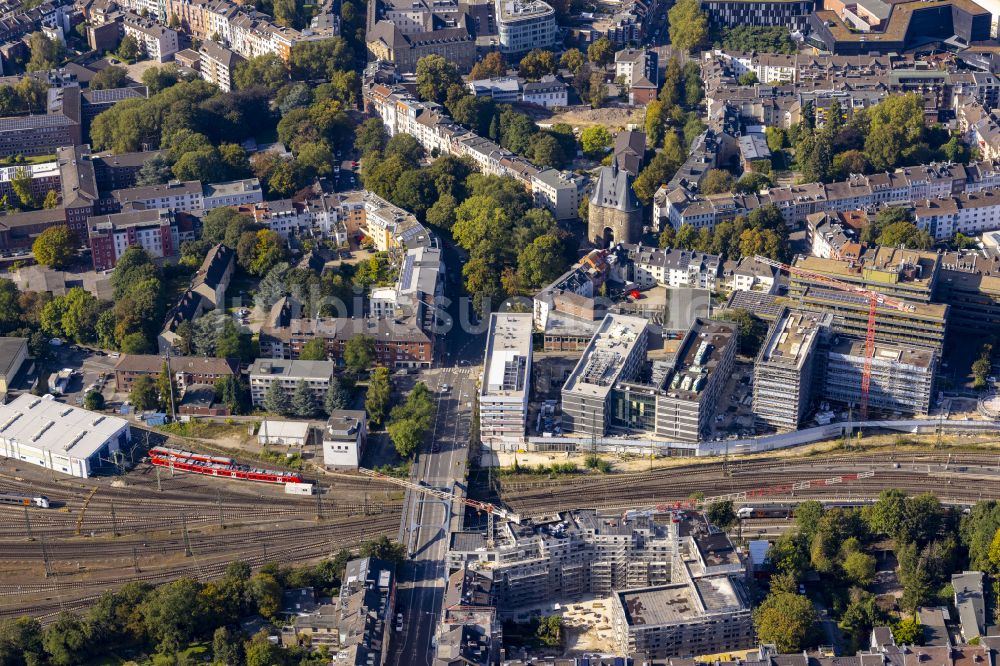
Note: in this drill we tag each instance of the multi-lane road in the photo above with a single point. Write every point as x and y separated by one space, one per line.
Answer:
427 520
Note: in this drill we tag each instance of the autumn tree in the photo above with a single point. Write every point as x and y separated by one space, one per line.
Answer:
55 247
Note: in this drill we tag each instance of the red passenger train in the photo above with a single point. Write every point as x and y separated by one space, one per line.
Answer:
200 463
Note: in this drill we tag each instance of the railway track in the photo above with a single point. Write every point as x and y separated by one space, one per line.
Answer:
78 594
679 483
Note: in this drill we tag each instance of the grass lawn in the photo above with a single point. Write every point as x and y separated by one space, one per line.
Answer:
37 159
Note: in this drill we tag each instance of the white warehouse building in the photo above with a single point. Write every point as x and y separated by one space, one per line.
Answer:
506 383
60 437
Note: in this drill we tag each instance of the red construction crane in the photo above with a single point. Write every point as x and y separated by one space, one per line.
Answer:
875 299
444 495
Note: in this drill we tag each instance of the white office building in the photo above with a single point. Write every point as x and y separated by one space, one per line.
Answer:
506 381
524 25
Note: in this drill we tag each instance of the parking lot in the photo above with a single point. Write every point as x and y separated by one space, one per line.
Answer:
93 369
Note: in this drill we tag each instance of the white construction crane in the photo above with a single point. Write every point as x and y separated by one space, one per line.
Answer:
490 509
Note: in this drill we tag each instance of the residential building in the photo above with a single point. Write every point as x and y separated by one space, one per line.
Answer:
345 438
175 195
158 41
615 214
830 239
617 351
506 382
263 372
155 230
559 191
234 193
13 354
749 274
61 437
902 378
788 369
217 64
186 371
402 33
283 433
355 626
753 148
502 90
633 64
970 600
523 25
630 151
214 275
567 311
118 171
670 267
549 92
971 214
390 227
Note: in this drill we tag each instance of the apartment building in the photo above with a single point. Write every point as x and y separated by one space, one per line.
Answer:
971 213
789 368
158 41
616 352
559 191
523 25
402 113
218 64
634 64
186 371
588 552
233 193
44 177
567 311
671 267
264 372
390 227
506 380
902 378
830 239
213 276
155 230
175 195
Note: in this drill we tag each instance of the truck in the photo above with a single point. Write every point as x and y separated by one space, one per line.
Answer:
59 381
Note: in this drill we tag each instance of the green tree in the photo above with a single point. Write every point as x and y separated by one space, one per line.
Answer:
51 200
751 183
572 59
598 89
721 514
21 184
894 125
21 642
129 49
905 234
660 169
45 53
777 139
541 262
378 396
406 436
171 614
264 70
303 401
786 620
370 136
748 79
338 395
595 140
601 52
549 630
537 63
981 368
859 568
908 632
314 350
135 343
55 247
230 344
93 401
384 549
67 641
688 25
434 75
359 353
165 389
275 400
110 77
266 592
807 517
143 394
716 181
231 392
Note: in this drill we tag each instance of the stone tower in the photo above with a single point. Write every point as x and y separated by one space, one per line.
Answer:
615 212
